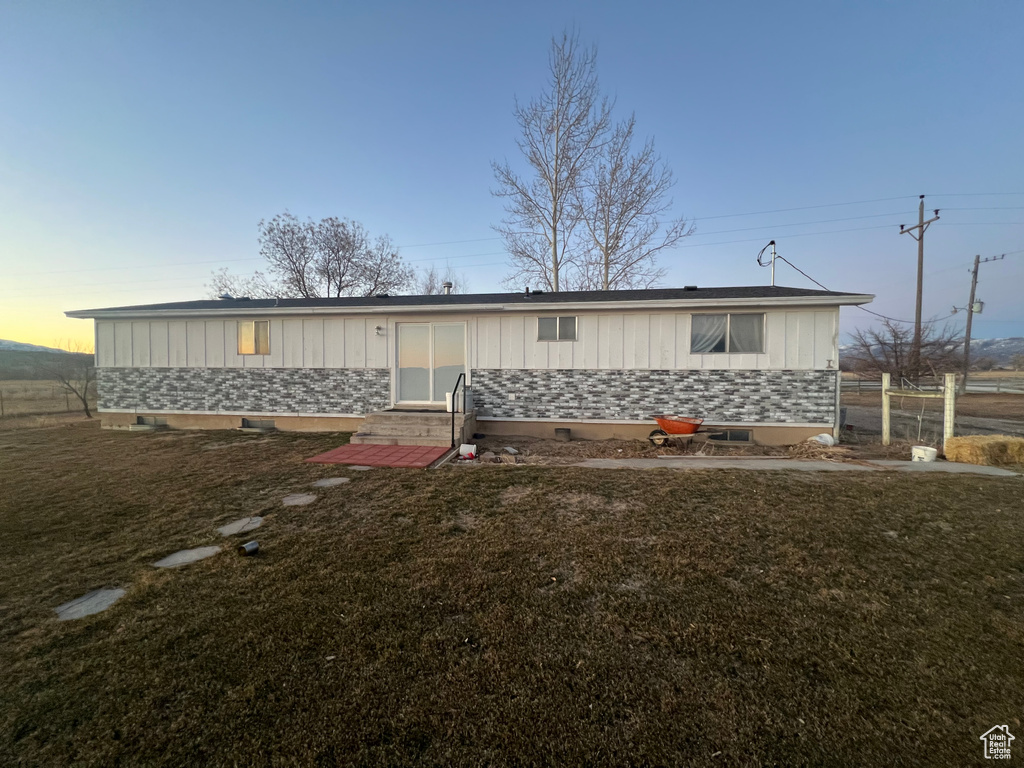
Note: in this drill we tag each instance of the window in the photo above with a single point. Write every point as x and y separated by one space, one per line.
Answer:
254 337
731 436
556 329
735 334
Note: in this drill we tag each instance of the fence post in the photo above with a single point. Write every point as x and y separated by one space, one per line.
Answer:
886 380
948 408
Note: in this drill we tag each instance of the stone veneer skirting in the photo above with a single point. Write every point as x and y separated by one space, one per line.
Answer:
724 396
245 390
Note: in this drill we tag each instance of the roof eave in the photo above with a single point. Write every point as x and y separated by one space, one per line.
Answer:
544 306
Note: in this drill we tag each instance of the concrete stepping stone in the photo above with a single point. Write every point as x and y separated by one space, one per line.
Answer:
330 482
298 499
186 556
240 526
93 602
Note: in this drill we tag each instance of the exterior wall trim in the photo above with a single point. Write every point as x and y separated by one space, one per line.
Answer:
539 308
303 414
726 424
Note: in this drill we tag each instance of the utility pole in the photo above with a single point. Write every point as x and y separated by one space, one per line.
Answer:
922 225
978 261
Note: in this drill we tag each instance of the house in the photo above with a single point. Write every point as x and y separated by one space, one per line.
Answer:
760 363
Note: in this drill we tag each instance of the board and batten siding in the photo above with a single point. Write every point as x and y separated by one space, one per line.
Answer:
804 339
794 340
330 342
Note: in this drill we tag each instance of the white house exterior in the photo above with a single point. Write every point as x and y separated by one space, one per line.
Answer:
758 360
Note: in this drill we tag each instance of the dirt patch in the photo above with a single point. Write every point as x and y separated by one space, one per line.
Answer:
535 450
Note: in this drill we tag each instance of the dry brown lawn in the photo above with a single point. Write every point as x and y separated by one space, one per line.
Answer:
24 397
502 616
986 405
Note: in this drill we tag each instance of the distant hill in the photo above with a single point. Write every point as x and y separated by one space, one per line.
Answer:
23 361
1000 350
20 346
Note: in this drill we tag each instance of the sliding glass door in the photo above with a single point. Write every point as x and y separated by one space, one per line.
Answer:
430 358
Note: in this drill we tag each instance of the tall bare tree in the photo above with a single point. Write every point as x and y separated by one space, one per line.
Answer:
621 207
562 131
325 259
888 350
74 373
430 281
255 286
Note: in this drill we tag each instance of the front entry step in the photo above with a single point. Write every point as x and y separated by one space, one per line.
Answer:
399 427
361 438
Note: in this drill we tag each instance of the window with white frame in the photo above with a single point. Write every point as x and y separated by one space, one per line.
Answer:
556 329
727 334
254 337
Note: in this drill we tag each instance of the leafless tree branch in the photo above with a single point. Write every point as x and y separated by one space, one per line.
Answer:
887 349
74 373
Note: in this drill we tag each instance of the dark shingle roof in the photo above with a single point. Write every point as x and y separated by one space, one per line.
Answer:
535 298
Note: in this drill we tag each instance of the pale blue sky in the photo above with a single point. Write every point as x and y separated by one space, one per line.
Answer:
140 143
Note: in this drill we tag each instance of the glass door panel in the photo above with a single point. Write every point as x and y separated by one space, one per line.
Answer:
449 358
414 363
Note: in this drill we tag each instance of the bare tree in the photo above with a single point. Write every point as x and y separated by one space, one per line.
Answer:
255 286
340 247
74 372
430 281
287 245
382 269
621 208
562 131
888 350
1017 362
325 259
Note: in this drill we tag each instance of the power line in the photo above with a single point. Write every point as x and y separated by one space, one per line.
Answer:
177 265
865 309
449 242
798 224
803 208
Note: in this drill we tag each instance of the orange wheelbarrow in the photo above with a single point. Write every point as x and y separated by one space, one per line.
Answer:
672 427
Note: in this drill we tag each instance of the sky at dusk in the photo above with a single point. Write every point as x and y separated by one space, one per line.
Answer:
141 143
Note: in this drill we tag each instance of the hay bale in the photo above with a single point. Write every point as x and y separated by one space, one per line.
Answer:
990 450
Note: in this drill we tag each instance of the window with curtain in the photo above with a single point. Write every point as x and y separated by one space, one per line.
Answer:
254 337
729 333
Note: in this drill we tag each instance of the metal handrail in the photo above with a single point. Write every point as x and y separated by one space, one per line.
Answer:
455 408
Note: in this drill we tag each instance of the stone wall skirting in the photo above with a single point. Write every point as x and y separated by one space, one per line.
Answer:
780 397
245 390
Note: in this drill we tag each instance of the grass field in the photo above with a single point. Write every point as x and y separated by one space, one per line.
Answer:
27 397
498 615
986 405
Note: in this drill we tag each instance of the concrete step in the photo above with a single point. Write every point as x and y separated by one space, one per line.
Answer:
412 430
373 439
413 417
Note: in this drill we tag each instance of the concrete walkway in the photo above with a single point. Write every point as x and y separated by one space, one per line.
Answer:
801 465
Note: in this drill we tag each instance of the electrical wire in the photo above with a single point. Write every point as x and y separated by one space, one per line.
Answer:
687 245
865 309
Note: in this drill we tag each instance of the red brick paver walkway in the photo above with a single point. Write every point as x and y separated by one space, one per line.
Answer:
382 455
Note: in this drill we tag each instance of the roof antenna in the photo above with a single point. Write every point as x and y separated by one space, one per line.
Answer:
761 263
